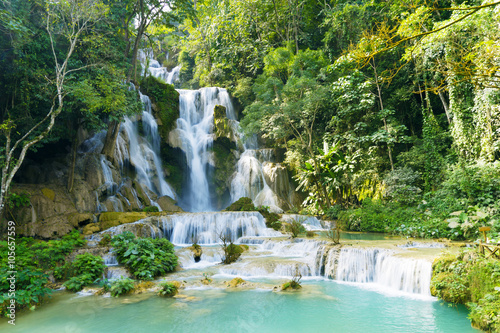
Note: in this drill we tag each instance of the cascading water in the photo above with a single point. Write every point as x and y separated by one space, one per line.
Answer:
144 153
269 254
195 128
206 228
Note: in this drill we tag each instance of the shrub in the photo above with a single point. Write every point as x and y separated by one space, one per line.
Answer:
310 234
242 204
89 264
333 212
296 228
121 286
145 258
400 186
77 283
471 279
231 252
150 209
332 233
105 240
33 259
64 272
167 289
294 283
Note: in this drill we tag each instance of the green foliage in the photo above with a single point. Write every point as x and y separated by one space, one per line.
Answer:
400 186
88 264
167 289
145 258
121 286
34 260
296 228
18 200
470 279
243 204
474 184
77 283
294 283
166 99
333 212
150 209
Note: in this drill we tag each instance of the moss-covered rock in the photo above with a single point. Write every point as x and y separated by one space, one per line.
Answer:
222 129
225 165
50 194
89 229
165 102
112 219
241 205
236 282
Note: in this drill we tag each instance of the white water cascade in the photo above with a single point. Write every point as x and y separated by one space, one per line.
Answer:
195 128
249 181
205 228
380 267
144 152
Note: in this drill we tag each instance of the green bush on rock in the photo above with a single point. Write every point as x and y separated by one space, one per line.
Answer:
145 258
470 279
121 287
167 289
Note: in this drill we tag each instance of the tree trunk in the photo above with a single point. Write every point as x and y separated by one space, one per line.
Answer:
109 144
445 106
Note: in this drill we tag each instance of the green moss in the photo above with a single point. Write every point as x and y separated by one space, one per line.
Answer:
166 99
112 219
242 204
49 193
221 123
470 279
225 164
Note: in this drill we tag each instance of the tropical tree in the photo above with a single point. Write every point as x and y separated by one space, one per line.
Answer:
65 22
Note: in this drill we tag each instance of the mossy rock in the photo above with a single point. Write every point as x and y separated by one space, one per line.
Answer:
143 286
91 228
221 123
50 194
225 164
241 205
113 219
290 286
236 282
165 99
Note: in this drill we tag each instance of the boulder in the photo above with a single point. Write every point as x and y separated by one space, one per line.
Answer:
168 204
113 219
236 282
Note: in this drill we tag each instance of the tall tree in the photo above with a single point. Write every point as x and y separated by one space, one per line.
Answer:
65 22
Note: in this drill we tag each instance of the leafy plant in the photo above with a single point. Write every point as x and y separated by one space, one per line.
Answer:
89 264
145 258
296 228
77 283
167 289
294 283
121 286
231 252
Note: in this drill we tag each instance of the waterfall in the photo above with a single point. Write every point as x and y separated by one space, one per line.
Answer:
249 181
205 228
195 128
144 153
382 268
